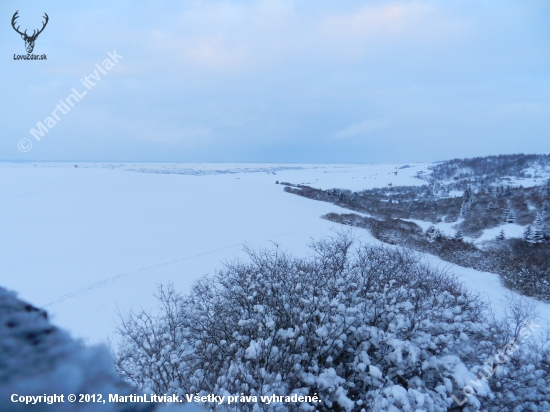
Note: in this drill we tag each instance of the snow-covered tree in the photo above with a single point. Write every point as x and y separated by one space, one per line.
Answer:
466 207
528 234
431 233
501 235
546 231
538 234
508 216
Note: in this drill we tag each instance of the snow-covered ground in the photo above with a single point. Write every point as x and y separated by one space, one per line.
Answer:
87 242
448 228
510 230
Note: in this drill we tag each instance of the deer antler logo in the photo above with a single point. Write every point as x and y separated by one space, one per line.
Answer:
29 40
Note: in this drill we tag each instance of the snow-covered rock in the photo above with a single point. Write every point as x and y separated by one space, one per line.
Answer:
37 359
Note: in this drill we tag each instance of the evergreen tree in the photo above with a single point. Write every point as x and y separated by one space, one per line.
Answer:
439 235
501 235
538 231
508 216
528 234
546 232
459 236
434 234
466 206
430 232
505 215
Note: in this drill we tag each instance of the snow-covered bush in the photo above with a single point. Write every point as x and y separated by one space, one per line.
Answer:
518 371
365 328
38 359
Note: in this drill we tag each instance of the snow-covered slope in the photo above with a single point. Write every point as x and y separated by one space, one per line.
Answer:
87 242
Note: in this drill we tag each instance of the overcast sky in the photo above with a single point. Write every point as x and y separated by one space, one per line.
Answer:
279 81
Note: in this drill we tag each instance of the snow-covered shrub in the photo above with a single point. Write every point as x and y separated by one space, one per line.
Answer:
522 266
434 234
365 328
36 358
518 371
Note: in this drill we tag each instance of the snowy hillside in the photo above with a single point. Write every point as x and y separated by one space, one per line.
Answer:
87 242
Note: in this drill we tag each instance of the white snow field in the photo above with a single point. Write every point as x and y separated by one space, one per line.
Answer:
87 242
